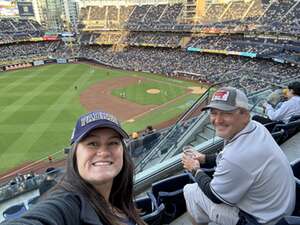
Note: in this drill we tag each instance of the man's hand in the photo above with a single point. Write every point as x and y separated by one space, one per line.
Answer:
200 157
190 163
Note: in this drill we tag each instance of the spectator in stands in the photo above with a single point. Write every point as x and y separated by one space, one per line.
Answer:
50 158
286 110
135 135
149 130
277 97
97 187
243 185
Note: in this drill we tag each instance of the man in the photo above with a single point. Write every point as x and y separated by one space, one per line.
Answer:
252 175
287 109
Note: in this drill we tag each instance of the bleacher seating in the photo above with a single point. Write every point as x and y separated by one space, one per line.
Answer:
32 201
278 136
289 220
169 191
14 211
296 170
290 129
212 68
19 29
149 210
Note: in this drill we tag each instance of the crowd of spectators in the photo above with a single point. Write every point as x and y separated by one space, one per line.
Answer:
13 29
141 18
108 38
27 50
166 39
238 43
263 46
253 74
134 17
272 16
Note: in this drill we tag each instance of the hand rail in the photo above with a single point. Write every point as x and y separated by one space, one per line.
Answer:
156 149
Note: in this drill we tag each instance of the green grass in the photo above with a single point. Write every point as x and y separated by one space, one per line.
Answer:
39 106
166 93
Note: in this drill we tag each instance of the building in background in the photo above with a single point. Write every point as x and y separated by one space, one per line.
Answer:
8 8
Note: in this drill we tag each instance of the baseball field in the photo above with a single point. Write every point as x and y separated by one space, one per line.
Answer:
39 106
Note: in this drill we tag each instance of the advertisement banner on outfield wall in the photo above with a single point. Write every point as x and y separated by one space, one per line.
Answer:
61 61
38 62
50 38
36 39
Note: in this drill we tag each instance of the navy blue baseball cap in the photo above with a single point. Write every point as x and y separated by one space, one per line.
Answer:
92 120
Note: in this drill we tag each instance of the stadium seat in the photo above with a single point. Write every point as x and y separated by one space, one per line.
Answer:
294 118
169 191
14 211
149 211
32 201
278 136
209 171
50 170
270 126
290 129
289 220
296 170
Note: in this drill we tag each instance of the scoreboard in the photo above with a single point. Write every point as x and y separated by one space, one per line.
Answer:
25 9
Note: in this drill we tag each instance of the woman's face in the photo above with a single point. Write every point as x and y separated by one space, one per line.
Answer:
100 157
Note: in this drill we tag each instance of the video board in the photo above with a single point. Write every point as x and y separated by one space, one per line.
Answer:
25 9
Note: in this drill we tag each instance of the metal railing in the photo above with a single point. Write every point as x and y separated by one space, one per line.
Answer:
178 130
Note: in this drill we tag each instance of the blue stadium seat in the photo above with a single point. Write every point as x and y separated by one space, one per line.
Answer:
169 191
289 220
296 170
278 136
149 210
270 126
208 171
290 129
294 118
32 201
14 211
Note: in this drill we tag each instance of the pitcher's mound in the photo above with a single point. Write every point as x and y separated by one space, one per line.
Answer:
153 91
197 90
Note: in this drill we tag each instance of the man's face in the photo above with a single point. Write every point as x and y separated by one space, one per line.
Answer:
290 93
228 124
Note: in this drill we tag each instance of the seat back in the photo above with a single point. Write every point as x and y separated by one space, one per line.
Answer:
170 192
289 220
270 126
278 136
294 118
32 201
296 170
290 129
149 211
14 211
171 184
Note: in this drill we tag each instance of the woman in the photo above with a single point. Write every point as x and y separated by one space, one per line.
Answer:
97 187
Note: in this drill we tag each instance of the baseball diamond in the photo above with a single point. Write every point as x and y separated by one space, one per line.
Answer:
39 105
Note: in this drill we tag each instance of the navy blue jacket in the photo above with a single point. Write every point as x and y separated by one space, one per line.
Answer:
63 208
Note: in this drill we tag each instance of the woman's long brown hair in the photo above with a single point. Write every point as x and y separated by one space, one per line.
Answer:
121 196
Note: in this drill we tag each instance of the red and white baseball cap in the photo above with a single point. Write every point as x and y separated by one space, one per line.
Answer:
228 99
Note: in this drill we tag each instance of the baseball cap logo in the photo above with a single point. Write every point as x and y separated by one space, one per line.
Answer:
220 96
94 116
